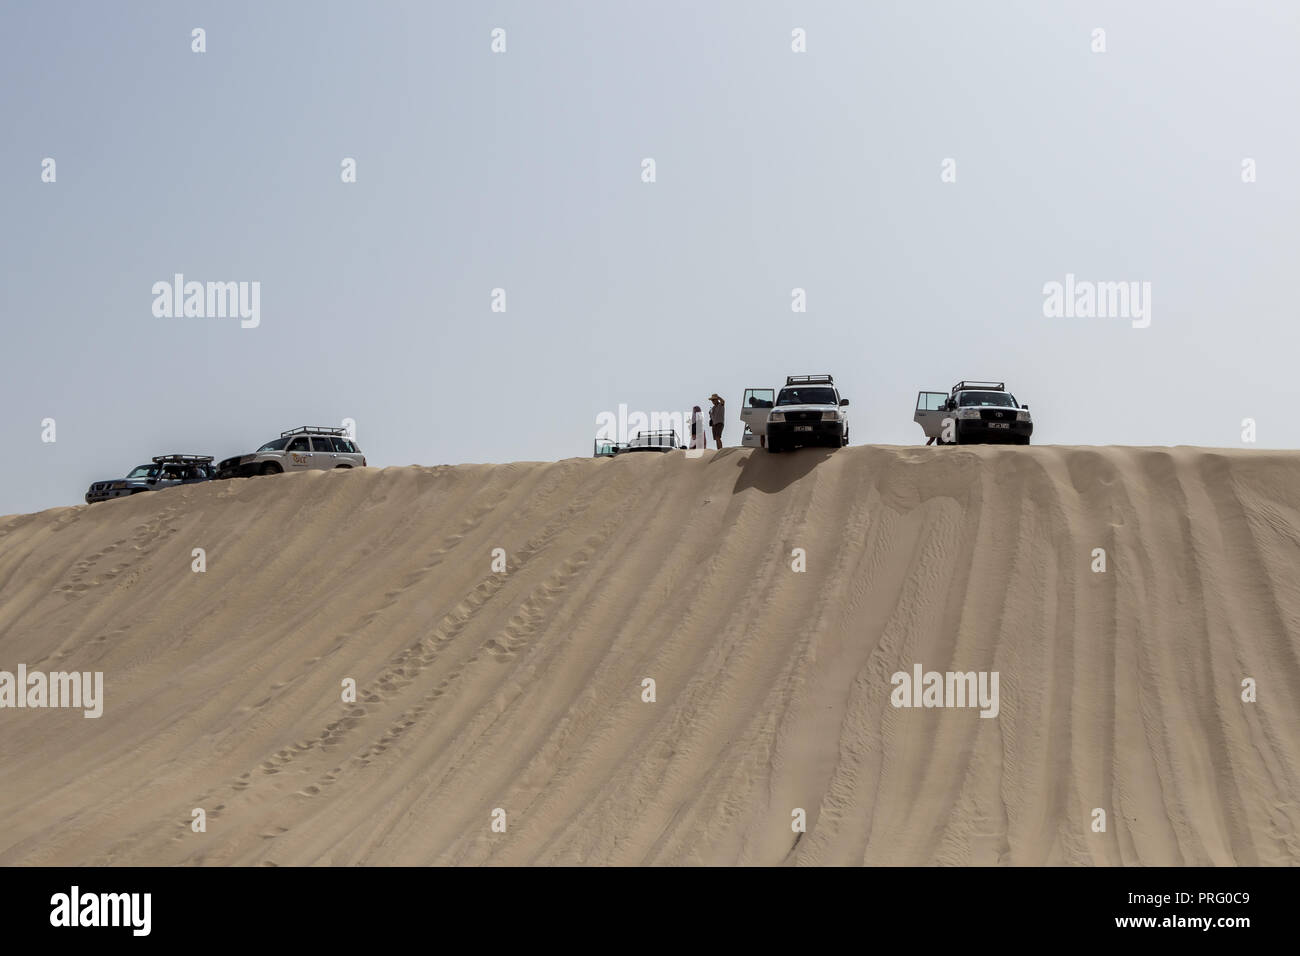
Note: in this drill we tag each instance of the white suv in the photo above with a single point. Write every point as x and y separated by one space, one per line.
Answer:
973 413
299 449
807 411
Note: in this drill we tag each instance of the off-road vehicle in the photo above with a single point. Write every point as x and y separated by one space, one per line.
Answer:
164 472
973 413
807 411
664 440
298 449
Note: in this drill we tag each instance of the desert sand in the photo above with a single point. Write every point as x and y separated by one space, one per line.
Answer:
523 690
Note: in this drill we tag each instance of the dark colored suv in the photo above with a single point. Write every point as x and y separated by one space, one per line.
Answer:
165 471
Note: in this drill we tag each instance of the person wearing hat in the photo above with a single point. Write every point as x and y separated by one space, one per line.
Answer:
717 416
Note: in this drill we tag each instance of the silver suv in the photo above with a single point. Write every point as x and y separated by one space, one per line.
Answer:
299 449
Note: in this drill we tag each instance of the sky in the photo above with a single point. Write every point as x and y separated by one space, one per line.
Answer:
920 170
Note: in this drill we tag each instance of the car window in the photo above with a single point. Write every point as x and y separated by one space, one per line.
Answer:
758 398
807 395
143 471
322 443
997 399
298 444
277 445
932 401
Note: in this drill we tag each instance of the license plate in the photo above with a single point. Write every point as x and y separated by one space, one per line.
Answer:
803 428
999 424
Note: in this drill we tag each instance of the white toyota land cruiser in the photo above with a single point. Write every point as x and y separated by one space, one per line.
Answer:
299 449
807 411
973 413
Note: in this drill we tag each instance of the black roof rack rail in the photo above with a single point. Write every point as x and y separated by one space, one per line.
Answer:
990 386
658 438
314 430
181 459
823 379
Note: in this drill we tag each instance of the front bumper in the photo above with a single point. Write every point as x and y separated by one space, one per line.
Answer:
805 433
95 495
976 432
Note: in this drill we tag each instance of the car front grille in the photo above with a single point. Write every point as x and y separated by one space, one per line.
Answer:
803 416
998 414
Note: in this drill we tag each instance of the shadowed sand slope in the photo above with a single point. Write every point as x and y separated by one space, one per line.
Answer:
477 690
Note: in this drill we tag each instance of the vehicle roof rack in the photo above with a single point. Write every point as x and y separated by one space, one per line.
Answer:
661 439
988 386
181 459
824 379
314 430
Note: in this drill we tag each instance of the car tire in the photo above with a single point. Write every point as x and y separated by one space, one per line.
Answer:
774 447
271 468
344 467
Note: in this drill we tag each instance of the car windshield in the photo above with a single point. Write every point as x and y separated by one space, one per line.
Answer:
807 395
143 471
1000 399
277 445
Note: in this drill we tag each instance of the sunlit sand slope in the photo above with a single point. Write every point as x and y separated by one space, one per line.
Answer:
1118 690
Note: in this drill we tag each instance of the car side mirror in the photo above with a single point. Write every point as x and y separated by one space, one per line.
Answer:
1025 407
844 401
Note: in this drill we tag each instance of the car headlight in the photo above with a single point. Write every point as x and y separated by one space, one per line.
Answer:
1023 415
776 417
968 413
830 416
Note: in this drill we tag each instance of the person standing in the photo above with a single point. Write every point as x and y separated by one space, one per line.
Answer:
717 416
699 437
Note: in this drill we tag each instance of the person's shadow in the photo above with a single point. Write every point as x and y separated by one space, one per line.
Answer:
771 473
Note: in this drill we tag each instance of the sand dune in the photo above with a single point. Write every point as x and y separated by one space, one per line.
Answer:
523 691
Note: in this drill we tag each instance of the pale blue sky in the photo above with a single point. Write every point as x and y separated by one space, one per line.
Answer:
522 170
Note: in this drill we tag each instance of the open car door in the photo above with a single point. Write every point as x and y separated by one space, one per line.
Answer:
931 410
755 406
